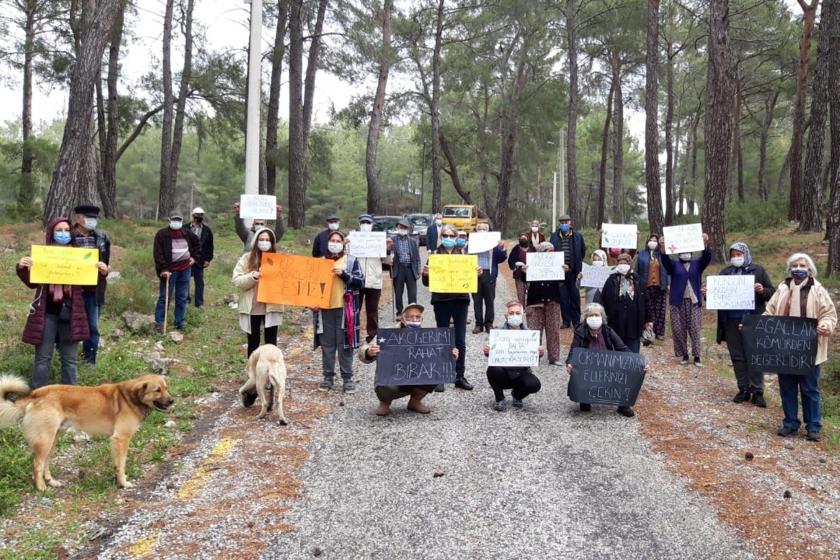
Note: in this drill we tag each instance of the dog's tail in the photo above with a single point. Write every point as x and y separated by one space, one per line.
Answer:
10 414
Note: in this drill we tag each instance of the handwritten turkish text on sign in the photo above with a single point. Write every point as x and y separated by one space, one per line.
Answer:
780 344
683 239
453 274
415 357
367 243
514 348
64 265
544 266
295 280
619 236
606 377
730 292
259 206
483 241
594 276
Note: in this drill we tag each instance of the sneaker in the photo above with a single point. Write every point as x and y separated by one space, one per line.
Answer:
585 407
742 396
248 399
626 411
517 403
439 388
348 386
500 406
326 384
784 431
813 436
758 399
697 361
684 361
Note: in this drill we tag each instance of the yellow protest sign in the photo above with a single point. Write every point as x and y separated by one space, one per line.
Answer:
53 264
453 273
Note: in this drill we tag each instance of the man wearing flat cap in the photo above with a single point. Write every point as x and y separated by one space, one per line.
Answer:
319 245
566 239
87 236
176 250
406 268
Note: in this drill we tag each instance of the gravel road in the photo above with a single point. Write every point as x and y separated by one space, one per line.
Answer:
468 482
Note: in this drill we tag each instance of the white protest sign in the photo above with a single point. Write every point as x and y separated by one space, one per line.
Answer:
595 276
730 292
619 236
483 241
258 206
683 239
544 266
367 244
514 348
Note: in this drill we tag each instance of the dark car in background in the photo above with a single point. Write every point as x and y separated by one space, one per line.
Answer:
388 224
419 224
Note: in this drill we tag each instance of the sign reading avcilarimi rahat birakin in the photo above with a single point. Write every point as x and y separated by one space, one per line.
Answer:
415 356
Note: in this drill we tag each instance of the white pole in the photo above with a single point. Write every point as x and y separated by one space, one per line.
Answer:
252 131
554 204
562 173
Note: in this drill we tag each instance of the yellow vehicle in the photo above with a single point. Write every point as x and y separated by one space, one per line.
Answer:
461 216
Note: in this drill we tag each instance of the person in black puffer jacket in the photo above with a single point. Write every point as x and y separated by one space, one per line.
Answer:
625 302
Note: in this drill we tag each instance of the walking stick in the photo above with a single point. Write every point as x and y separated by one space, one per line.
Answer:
166 305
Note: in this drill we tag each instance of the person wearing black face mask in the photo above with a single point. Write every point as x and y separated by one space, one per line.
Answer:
516 262
205 241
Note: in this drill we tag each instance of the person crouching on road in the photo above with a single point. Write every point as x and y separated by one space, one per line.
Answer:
412 318
521 379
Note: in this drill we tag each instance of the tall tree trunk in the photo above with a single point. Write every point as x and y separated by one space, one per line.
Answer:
654 195
166 196
832 223
810 218
669 136
434 109
108 194
694 126
64 190
181 105
312 61
720 107
571 132
372 173
297 194
456 178
26 188
810 13
618 144
769 108
273 115
602 168
738 155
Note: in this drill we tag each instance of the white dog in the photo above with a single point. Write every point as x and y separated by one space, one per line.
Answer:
266 366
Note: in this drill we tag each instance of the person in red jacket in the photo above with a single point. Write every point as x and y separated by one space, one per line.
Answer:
57 314
176 250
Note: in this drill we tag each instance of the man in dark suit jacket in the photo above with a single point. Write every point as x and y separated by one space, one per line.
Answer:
566 239
433 232
319 245
406 267
205 243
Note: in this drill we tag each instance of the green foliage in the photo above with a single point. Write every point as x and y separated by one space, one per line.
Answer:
755 215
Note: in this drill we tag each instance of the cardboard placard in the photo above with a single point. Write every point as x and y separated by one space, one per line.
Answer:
259 206
595 276
367 244
295 280
483 241
683 239
775 344
55 264
514 348
415 356
736 291
544 266
453 274
619 236
606 377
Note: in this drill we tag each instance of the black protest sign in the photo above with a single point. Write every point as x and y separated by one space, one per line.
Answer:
780 344
415 357
606 377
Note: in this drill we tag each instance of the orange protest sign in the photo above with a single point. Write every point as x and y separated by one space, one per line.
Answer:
295 280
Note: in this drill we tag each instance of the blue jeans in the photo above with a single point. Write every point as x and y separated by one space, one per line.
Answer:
91 345
56 333
198 276
179 289
808 385
570 300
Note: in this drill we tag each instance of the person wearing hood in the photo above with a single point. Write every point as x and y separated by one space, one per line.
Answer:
750 383
57 315
337 328
655 281
801 295
87 236
205 243
598 258
543 308
625 303
516 261
686 300
572 244
176 250
406 266
321 241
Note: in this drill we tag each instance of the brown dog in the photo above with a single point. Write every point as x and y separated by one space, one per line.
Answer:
113 409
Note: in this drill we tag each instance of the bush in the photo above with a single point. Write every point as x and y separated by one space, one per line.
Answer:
756 215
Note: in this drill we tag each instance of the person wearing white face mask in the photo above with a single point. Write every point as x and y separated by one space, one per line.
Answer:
655 281
535 237
85 235
484 299
319 244
521 380
625 303
598 258
433 233
406 268
372 269
176 249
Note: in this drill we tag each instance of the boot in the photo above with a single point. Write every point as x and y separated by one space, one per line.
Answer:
758 399
384 408
415 402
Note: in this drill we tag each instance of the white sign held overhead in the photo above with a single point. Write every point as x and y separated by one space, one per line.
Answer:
595 276
367 244
619 236
544 266
514 348
483 241
730 292
683 239
258 206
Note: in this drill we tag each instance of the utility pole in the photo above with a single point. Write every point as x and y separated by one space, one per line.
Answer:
423 177
561 171
252 130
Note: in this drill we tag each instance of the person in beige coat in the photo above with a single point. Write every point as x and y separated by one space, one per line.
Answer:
801 295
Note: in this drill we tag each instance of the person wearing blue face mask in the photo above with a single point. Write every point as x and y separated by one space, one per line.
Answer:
176 250
86 235
572 244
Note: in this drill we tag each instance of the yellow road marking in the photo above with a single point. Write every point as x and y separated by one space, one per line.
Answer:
145 546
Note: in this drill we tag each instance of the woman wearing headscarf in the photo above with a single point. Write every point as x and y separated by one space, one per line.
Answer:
801 295
599 258
625 303
655 282
57 314
516 261
543 308
750 383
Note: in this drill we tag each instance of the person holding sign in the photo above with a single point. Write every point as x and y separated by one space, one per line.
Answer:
655 281
86 236
412 318
485 298
337 329
544 308
686 300
452 307
175 251
750 382
801 295
405 271
594 333
319 244
599 259
516 262
625 303
57 315
372 269
521 379
245 234
569 241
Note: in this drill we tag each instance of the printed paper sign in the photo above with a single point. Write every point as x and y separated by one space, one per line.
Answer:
606 377
73 266
544 266
780 344
619 236
683 239
415 357
367 243
483 241
595 276
730 292
514 348
453 274
295 280
259 206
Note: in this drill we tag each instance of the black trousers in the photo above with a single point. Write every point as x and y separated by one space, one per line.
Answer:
404 278
254 338
457 311
521 380
484 300
748 380
370 298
